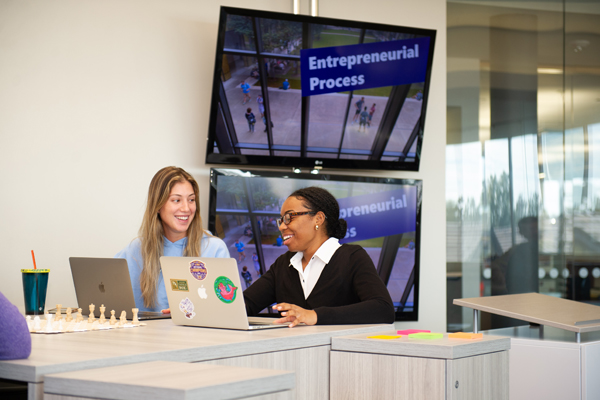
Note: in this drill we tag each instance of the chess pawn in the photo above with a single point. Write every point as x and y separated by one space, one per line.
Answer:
102 317
69 317
113 320
135 320
58 312
91 317
79 315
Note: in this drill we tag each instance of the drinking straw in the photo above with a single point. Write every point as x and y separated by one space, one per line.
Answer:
33 256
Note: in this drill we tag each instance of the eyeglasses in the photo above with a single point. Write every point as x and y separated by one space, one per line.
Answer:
287 217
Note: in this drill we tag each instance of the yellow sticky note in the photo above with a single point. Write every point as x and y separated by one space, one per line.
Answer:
385 337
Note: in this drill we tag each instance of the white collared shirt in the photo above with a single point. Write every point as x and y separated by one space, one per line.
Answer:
312 272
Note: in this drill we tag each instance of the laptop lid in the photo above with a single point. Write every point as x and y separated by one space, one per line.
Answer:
105 281
206 292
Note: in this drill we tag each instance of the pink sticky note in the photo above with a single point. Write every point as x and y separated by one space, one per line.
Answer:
411 331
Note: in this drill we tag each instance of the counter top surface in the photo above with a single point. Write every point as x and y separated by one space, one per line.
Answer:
169 380
162 340
444 347
540 309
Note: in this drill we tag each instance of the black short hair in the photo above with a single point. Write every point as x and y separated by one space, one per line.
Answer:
318 199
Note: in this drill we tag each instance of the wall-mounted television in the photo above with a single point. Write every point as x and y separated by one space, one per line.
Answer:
383 216
301 91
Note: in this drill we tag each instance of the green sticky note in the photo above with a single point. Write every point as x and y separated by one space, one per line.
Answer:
426 335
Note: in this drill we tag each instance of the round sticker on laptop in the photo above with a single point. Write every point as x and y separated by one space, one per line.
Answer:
225 290
198 270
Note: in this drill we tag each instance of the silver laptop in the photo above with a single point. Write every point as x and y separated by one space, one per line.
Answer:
105 281
206 292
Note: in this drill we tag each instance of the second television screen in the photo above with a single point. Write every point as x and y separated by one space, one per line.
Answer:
383 216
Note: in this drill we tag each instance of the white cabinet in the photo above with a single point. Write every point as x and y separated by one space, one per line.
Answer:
407 368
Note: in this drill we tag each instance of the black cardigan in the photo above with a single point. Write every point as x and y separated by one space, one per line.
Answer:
349 291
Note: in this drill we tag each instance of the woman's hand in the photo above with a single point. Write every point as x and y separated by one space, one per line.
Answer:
166 311
295 315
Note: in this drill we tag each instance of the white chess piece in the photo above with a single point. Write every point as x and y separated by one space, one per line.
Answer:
123 318
135 320
91 317
69 317
49 322
79 315
37 323
113 320
102 317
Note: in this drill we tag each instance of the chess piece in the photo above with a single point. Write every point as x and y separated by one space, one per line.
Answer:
37 323
123 318
102 317
58 312
113 320
69 317
91 317
79 315
49 322
135 321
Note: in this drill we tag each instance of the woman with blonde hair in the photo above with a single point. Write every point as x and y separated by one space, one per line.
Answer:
171 227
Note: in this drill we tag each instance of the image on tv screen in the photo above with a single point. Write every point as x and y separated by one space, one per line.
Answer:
299 91
382 214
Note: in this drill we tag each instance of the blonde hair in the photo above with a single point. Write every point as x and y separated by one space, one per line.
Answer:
152 233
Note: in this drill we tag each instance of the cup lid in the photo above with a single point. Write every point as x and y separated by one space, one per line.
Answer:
35 271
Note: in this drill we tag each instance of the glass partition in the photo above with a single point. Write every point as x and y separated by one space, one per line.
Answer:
523 152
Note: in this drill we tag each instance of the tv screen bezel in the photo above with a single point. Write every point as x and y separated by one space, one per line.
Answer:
249 174
213 157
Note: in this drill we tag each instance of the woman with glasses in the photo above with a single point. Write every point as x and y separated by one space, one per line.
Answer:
319 281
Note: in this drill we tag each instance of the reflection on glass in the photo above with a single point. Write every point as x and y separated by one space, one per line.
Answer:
541 187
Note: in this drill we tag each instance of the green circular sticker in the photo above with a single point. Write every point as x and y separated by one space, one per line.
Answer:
225 290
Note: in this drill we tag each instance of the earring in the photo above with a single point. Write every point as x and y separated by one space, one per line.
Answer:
317 227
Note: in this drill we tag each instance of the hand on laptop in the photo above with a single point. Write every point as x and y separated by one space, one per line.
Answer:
295 315
166 311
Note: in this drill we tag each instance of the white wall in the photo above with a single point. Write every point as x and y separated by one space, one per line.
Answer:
96 96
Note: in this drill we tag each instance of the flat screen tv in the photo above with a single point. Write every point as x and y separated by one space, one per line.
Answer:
301 91
383 216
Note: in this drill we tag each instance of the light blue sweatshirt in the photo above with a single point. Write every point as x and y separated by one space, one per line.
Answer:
211 246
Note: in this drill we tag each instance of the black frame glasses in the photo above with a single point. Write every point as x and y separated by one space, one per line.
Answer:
287 217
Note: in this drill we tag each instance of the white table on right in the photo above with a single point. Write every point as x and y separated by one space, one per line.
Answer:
557 356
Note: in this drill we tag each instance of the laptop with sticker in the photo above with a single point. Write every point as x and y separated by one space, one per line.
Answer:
206 292
106 281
